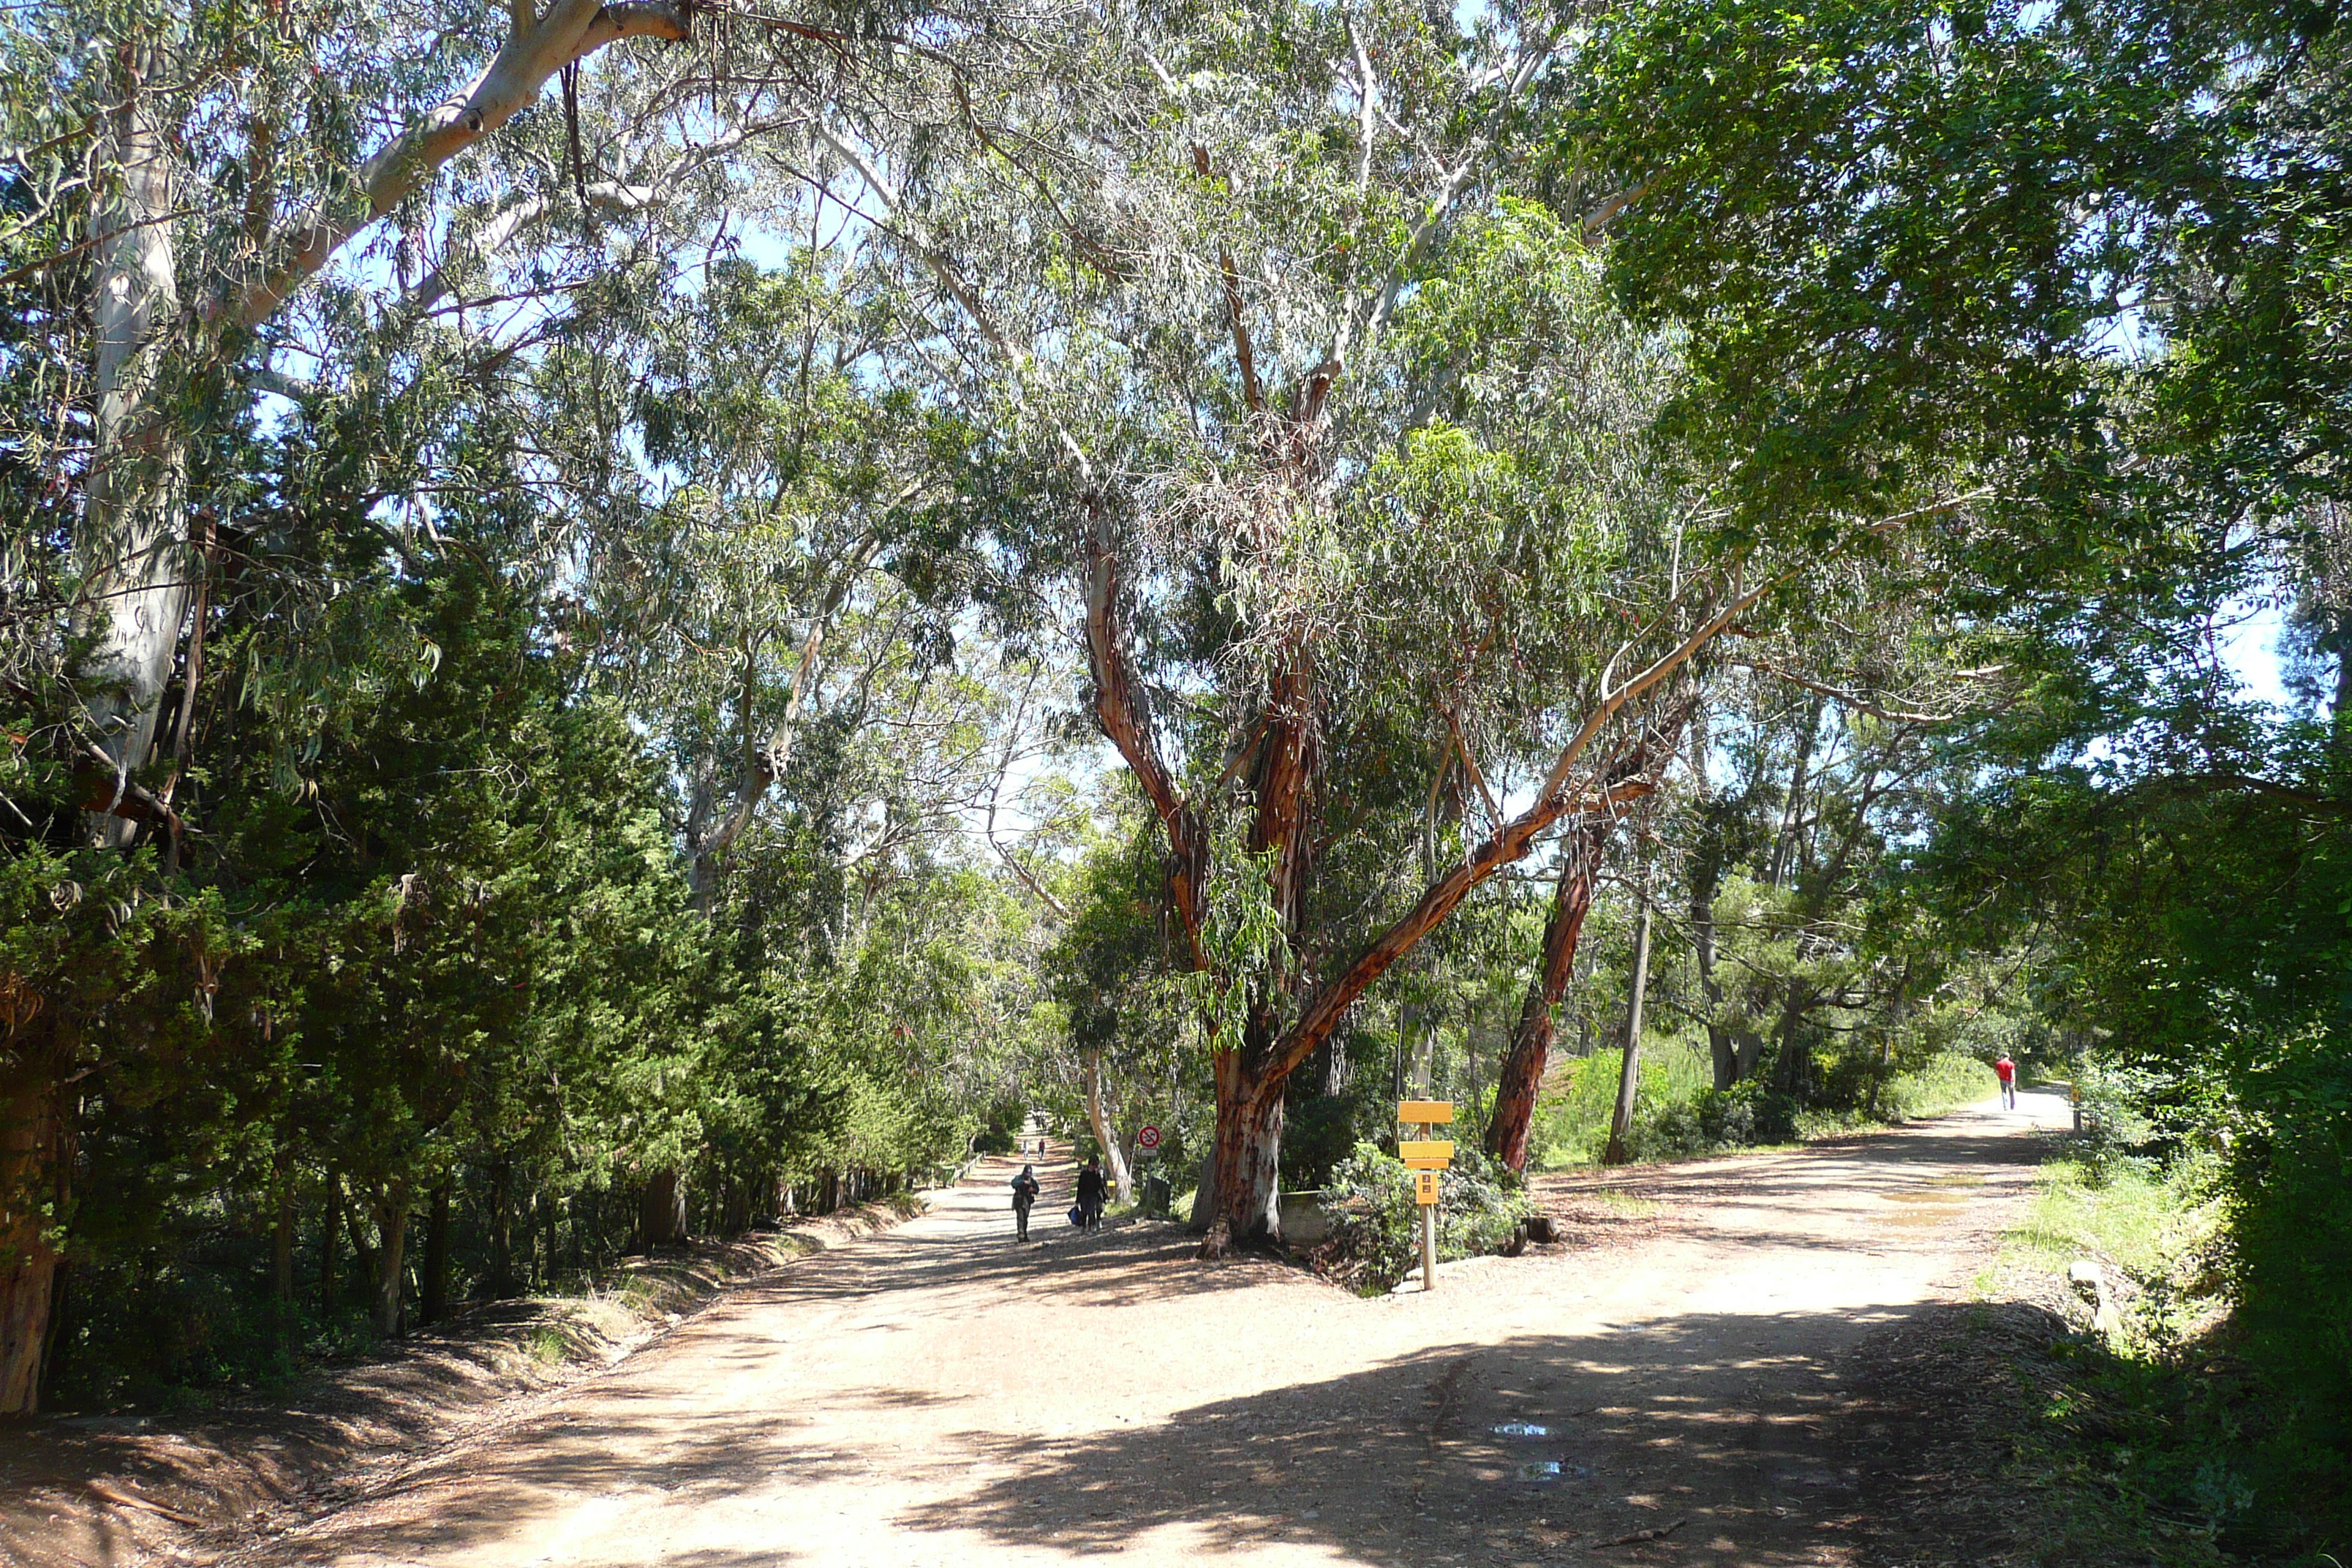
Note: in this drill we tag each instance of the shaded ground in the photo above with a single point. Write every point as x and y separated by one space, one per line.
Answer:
107 1489
942 1396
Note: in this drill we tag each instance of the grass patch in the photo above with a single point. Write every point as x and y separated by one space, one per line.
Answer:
1623 1205
1679 1112
2153 1443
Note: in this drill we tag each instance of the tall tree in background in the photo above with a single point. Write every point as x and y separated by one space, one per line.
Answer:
1301 353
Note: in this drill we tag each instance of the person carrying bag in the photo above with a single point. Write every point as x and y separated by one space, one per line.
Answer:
1025 1198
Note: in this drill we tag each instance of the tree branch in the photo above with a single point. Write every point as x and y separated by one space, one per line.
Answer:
1119 710
1251 392
768 763
569 31
1854 700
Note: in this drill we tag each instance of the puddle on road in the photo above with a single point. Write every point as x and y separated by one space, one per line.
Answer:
1551 1470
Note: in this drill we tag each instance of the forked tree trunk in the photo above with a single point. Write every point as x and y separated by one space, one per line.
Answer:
385 1262
34 1164
1521 1079
1248 1157
502 1273
281 1246
331 1224
1114 1157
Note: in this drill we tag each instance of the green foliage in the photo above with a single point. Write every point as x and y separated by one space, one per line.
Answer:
2163 1440
1375 1228
1946 1083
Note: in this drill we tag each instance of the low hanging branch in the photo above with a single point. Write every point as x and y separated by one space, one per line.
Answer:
1512 841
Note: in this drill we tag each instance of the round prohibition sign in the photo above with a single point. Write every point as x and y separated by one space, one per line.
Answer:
1148 1138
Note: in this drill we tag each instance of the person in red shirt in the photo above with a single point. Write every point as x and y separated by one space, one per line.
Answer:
2006 1070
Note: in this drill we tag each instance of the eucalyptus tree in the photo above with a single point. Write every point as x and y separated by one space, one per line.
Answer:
1254 286
179 181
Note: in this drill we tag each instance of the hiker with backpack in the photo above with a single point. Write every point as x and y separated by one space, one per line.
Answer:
1025 1198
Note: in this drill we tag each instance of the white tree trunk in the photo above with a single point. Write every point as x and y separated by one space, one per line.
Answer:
136 565
1104 1134
1629 1074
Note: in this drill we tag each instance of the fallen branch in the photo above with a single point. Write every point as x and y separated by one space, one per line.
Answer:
1641 1535
130 1500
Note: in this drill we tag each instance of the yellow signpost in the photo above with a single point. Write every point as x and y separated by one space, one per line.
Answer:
1426 1157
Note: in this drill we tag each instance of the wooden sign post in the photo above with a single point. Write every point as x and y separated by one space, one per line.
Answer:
1427 1158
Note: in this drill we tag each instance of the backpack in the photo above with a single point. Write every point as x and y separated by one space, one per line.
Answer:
1077 1214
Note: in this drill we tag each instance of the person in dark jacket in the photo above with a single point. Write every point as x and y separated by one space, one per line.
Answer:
1093 1193
1025 1198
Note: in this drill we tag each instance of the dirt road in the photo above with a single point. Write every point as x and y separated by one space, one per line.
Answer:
939 1396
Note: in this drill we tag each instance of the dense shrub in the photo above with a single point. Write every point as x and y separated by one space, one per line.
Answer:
1375 1239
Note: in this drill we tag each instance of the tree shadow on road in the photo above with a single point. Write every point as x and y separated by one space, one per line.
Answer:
1721 1428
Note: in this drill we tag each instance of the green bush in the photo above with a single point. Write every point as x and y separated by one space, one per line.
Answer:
1944 1083
1572 1123
1750 1113
1318 1133
2291 1177
1375 1234
999 1128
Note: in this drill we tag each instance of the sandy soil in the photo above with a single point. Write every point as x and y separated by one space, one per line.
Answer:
116 1491
941 1395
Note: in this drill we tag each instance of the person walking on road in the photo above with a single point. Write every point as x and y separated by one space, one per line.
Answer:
1025 1198
2006 1070
1092 1192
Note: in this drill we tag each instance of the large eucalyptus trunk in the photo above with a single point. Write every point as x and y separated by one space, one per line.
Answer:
34 1168
1521 1077
1114 1157
137 569
1248 1194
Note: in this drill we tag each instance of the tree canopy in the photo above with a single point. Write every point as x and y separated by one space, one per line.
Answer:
620 620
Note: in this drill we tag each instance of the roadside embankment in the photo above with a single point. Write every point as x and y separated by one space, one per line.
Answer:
119 1488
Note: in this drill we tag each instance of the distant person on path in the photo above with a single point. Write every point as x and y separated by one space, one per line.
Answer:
1092 1191
1024 1197
2006 1070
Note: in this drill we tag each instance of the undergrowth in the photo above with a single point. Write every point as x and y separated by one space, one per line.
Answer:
1375 1222
2159 1442
1678 1111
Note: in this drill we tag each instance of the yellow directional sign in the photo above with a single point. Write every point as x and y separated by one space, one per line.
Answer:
1424 1188
1427 1112
1433 1156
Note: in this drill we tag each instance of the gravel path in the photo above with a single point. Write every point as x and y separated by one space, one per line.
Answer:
941 1395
